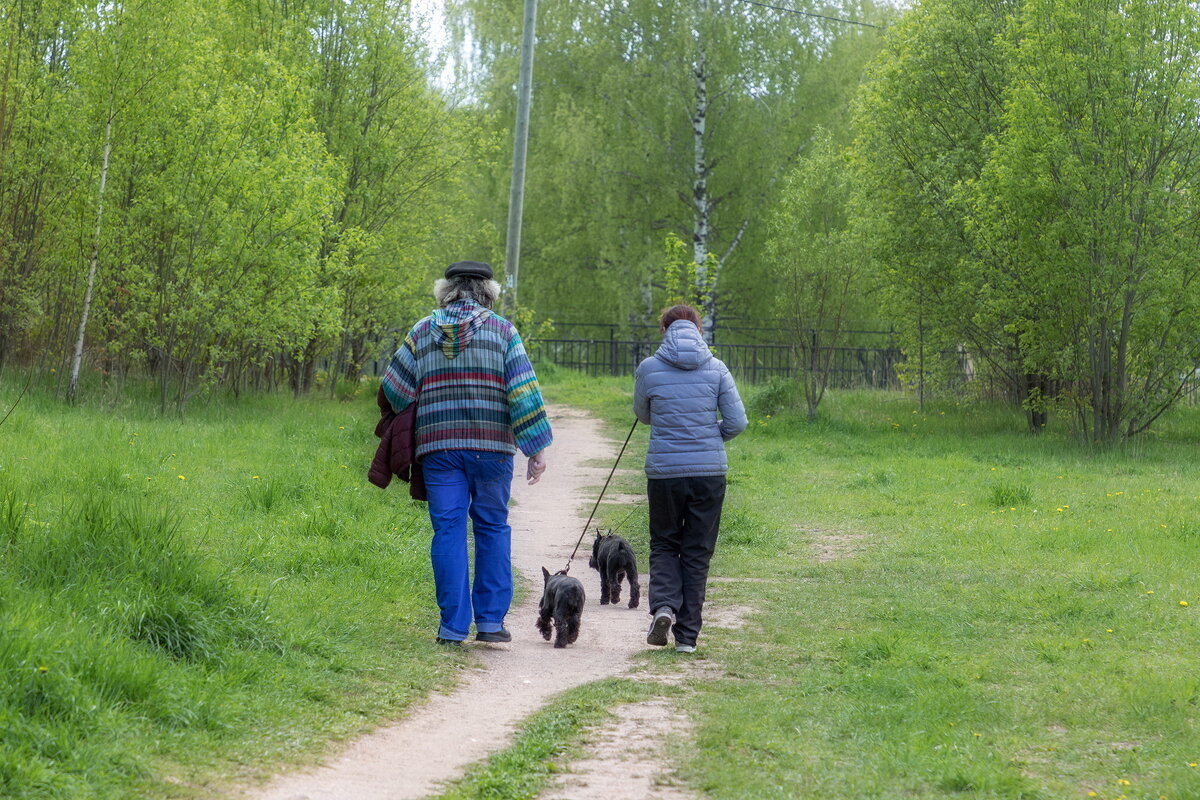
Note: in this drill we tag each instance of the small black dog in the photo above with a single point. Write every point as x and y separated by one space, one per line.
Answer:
562 599
615 559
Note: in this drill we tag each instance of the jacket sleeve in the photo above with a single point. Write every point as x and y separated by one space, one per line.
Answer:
526 409
402 380
733 413
641 400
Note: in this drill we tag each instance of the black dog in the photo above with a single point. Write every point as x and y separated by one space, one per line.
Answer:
562 599
614 558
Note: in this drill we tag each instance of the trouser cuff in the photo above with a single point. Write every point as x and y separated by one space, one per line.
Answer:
446 633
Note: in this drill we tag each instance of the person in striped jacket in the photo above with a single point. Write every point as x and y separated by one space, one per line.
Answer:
478 402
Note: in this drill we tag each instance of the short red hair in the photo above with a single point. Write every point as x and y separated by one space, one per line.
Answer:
676 313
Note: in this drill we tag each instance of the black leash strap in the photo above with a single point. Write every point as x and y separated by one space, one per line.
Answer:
611 472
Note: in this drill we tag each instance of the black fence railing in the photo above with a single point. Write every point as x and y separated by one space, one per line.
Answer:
851 367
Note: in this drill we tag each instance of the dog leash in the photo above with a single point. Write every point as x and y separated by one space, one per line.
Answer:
636 508
611 472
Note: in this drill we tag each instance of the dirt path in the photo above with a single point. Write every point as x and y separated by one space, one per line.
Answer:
438 739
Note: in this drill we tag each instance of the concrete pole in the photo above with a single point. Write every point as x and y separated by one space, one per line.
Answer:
516 198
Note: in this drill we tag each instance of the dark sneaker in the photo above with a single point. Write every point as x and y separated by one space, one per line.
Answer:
450 642
664 618
680 647
501 635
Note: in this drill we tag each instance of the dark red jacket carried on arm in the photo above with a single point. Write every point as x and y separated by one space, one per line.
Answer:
397 451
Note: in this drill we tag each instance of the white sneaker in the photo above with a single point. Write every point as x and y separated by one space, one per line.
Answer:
685 648
664 618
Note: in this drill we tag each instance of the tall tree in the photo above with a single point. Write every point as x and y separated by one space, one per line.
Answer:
1088 200
658 118
922 123
816 263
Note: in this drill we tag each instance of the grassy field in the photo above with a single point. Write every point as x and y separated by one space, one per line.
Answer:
952 608
944 606
189 603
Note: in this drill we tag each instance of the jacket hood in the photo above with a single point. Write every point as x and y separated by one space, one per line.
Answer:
683 346
454 326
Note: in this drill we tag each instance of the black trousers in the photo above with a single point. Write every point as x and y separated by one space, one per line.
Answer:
685 514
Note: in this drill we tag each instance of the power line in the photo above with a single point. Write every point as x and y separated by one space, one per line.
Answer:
799 13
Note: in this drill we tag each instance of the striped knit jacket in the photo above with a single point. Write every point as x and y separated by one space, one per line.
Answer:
467 367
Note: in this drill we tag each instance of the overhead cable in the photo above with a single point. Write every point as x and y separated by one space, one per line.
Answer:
812 14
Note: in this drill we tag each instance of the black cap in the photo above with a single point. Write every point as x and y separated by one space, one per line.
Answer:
469 269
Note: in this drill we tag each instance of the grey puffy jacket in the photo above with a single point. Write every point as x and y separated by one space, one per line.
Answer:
678 392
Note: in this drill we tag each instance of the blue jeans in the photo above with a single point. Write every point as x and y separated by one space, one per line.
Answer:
475 484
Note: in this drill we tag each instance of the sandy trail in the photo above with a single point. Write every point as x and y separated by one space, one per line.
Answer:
410 758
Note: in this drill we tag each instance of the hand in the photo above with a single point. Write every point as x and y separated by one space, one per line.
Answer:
535 468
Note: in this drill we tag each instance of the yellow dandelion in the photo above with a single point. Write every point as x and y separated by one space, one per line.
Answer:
1110 530
341 427
181 478
1123 782
1191 763
43 669
993 469
1109 630
1183 602
1093 794
977 734
1150 591
253 477
344 466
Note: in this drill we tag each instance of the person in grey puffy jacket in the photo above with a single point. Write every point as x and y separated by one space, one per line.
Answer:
688 398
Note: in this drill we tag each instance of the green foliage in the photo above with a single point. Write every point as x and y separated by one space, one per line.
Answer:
816 262
1025 189
1087 192
681 276
613 166
773 396
278 179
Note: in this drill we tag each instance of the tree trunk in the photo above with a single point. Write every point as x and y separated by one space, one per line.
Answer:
77 359
701 201
1037 389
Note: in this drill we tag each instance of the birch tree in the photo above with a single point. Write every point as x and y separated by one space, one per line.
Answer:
656 118
113 20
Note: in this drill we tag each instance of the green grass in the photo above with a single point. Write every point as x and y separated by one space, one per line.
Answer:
523 769
188 604
1007 624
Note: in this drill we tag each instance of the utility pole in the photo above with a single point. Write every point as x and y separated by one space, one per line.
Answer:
516 197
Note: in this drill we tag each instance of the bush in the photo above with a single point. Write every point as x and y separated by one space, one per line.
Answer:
774 396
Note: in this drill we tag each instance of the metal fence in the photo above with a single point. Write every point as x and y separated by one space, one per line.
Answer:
852 367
